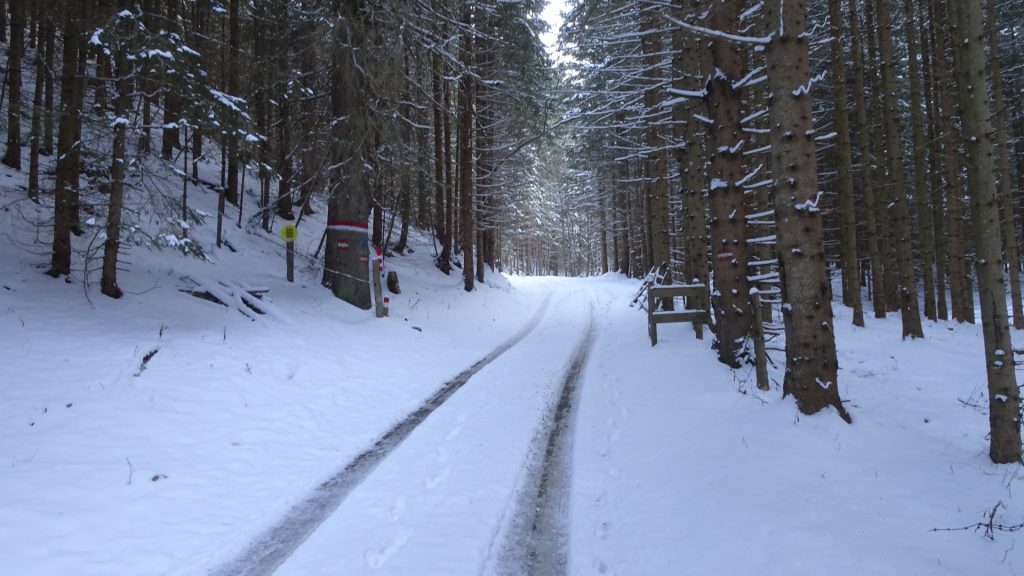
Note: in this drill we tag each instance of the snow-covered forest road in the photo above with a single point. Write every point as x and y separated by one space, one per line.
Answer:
527 427
277 544
460 493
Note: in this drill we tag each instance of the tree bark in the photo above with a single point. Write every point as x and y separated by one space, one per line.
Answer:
622 225
919 147
900 209
347 254
655 183
440 209
692 52
232 194
844 171
35 140
889 295
1003 166
449 184
285 173
70 105
873 236
1004 396
170 135
811 365
15 53
48 116
934 161
728 223
118 158
961 306
467 228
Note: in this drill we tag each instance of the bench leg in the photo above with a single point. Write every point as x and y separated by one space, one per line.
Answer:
652 331
699 329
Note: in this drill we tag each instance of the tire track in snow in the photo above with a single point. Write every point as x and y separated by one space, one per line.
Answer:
537 542
271 548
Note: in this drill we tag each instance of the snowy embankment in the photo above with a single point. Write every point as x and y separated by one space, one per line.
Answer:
162 433
679 473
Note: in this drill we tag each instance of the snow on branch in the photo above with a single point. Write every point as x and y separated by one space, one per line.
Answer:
809 205
695 94
752 11
750 176
749 79
761 40
755 116
807 89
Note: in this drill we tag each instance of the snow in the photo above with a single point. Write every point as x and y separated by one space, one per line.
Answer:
157 53
161 433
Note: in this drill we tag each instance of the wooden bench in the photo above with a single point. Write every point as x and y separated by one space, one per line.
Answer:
655 316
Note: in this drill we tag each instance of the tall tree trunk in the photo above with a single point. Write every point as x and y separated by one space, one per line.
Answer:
172 113
622 225
233 193
691 52
424 191
921 196
728 223
889 295
346 266
440 208
467 228
49 42
15 53
284 162
844 171
655 182
935 161
1003 166
284 120
122 101
75 170
602 217
449 184
1004 396
35 140
70 105
148 84
957 244
873 236
310 175
900 209
811 365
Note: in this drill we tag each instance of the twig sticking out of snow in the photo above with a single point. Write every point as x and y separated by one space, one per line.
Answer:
989 524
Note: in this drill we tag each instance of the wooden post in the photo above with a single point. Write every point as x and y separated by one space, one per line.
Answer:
290 260
652 326
760 355
289 233
378 290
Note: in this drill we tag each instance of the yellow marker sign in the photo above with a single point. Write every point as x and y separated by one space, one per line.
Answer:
289 233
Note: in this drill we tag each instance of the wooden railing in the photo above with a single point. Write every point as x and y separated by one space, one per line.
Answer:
656 316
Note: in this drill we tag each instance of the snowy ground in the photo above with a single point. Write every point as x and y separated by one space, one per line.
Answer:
110 464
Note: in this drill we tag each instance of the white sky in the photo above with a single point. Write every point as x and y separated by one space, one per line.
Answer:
553 15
